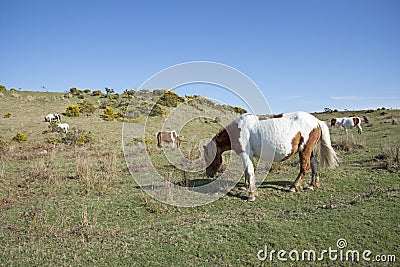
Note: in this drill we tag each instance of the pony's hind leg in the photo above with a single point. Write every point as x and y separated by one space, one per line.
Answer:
304 167
314 176
306 155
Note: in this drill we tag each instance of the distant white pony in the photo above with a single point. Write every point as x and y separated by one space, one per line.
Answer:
53 117
63 126
349 122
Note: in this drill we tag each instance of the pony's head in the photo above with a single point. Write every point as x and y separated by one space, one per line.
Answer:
365 119
333 122
213 158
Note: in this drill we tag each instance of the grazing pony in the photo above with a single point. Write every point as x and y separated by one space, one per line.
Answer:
169 137
349 122
63 126
53 117
284 134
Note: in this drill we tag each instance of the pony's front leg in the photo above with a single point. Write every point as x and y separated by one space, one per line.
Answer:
249 176
359 129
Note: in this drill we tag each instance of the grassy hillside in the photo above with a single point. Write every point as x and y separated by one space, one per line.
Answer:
64 204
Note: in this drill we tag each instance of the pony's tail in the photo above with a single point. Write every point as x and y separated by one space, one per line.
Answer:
328 156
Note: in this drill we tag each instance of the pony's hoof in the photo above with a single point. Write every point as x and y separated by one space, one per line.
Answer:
310 188
292 190
295 188
251 199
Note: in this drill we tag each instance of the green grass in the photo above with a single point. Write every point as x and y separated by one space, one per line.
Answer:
53 212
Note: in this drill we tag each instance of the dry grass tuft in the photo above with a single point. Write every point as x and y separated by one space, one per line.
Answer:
347 143
98 175
390 156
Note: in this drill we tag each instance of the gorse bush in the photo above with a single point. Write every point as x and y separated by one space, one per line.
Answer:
3 88
86 106
130 93
239 110
142 140
170 99
157 110
108 114
75 91
72 111
19 137
97 93
3 144
4 148
52 127
7 115
76 137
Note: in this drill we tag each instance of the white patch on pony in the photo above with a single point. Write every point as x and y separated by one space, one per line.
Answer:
277 134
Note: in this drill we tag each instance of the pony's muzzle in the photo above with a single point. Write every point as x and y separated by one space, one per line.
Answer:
210 173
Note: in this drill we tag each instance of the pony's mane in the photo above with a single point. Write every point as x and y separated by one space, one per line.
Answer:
270 116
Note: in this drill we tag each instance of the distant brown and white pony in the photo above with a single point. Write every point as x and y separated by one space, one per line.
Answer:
283 134
53 117
169 137
349 122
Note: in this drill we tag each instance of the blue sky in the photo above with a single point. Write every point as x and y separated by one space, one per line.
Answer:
303 55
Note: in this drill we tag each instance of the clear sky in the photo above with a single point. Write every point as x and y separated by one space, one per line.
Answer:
303 55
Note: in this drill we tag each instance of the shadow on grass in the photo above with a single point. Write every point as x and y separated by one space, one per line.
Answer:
238 190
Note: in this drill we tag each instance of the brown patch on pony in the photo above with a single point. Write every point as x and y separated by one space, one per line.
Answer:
356 121
296 141
228 138
267 117
333 122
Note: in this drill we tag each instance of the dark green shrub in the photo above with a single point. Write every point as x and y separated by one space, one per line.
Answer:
7 115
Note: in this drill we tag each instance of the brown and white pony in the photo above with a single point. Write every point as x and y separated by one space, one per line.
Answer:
283 135
349 122
169 137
